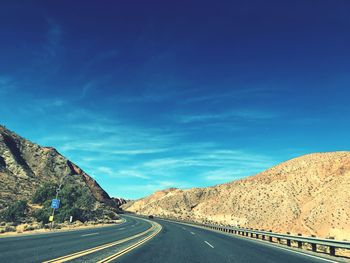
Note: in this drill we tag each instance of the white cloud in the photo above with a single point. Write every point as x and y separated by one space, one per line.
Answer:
234 115
7 84
111 173
224 175
53 40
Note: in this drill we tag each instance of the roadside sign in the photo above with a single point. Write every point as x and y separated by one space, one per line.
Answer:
50 218
70 219
55 204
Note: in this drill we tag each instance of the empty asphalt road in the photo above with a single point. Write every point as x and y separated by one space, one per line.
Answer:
42 247
182 243
175 243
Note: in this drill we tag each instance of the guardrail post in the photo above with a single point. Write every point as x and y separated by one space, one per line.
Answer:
313 245
257 236
300 243
331 248
270 237
263 237
251 234
288 240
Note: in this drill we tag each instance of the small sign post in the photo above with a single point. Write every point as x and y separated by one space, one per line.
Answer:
55 204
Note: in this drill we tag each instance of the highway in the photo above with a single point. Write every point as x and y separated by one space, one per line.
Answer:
174 243
183 243
43 247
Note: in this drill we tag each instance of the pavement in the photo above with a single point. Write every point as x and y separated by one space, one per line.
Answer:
43 247
146 241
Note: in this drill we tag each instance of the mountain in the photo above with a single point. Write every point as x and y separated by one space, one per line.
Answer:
308 195
119 201
25 166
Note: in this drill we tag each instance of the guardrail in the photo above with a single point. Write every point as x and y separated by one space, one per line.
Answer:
299 239
273 237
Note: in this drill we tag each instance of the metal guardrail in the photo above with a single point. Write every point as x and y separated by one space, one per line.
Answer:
299 239
269 236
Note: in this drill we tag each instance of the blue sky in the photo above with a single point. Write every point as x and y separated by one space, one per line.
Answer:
146 95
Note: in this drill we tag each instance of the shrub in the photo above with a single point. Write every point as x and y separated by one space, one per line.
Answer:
15 212
76 201
42 215
44 193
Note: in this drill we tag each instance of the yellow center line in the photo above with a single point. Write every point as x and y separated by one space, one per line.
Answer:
98 248
130 248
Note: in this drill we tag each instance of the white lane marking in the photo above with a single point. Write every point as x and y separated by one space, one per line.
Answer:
192 233
210 245
121 228
92 234
184 228
264 243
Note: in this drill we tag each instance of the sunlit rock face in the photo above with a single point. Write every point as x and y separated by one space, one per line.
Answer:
308 195
25 166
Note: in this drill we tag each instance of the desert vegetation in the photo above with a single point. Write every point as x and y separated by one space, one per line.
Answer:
308 195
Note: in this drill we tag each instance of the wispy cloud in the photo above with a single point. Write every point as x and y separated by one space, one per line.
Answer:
100 171
156 94
7 84
224 175
53 41
234 94
241 114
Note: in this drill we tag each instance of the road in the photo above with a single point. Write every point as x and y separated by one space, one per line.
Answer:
42 247
182 243
175 243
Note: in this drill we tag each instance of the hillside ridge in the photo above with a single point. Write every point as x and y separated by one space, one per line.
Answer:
25 166
309 194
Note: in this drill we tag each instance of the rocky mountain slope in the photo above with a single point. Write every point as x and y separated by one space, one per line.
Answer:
25 166
308 195
119 201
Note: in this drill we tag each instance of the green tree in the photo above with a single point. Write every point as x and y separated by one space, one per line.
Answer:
15 212
44 193
76 200
42 215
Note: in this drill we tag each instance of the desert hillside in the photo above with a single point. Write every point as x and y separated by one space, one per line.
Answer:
308 195
25 166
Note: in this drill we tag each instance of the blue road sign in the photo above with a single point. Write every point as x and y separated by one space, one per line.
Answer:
55 204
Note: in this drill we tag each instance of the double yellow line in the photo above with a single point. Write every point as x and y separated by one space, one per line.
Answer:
132 247
98 248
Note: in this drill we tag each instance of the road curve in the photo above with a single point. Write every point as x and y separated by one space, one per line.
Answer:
43 247
182 243
176 243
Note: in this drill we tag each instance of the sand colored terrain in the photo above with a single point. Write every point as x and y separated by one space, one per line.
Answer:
308 195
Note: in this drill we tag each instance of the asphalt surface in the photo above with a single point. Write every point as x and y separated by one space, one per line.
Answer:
176 243
41 247
179 243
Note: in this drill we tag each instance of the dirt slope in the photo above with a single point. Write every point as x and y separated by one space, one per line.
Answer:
25 166
308 195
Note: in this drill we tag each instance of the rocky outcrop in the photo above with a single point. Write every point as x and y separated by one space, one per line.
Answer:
119 201
25 166
308 195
